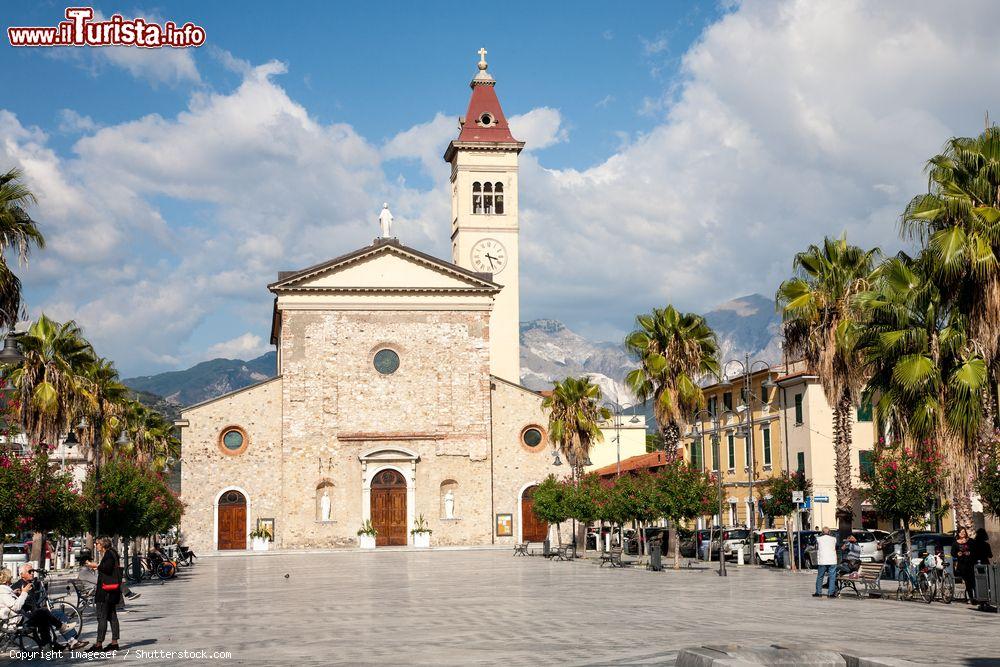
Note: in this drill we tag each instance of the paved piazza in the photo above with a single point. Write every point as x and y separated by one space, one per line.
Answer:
487 607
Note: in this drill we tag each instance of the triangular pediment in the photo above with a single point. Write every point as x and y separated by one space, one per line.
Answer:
385 266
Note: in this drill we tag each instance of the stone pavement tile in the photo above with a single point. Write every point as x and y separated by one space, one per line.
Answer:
488 608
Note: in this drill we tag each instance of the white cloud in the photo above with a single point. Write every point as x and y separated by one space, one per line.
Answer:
539 128
71 122
652 47
247 346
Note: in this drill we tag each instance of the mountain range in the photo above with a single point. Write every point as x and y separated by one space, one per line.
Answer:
549 351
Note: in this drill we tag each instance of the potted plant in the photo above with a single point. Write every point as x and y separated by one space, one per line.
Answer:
260 538
421 533
366 535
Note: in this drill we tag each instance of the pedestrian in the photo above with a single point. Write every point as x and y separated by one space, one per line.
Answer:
982 552
964 564
826 563
22 598
851 555
108 593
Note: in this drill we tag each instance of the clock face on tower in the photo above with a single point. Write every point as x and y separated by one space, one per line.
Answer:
489 256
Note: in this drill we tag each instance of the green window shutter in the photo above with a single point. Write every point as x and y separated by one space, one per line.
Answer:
696 454
798 408
715 453
866 462
800 460
766 431
732 451
865 411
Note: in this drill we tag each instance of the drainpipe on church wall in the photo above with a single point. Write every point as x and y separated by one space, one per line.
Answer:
493 529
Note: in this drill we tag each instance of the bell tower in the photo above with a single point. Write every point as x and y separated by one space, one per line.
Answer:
484 218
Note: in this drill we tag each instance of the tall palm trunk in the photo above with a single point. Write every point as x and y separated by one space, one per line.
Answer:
961 500
842 438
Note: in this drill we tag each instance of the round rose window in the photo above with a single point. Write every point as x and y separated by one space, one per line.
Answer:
386 362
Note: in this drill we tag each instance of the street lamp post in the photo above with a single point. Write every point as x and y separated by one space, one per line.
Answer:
746 371
716 421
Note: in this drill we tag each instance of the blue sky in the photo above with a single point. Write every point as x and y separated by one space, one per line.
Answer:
676 152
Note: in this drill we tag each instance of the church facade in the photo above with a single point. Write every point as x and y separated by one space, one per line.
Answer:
397 396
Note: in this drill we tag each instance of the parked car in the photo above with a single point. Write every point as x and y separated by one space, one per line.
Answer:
869 543
14 553
765 542
691 544
805 546
732 539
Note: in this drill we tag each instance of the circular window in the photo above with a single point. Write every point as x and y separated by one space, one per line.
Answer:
386 361
532 437
233 440
486 119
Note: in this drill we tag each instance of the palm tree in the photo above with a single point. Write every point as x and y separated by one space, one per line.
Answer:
924 371
958 220
819 314
674 351
574 423
17 230
51 383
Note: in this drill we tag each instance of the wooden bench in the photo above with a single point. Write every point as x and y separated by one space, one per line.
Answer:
521 549
564 552
869 575
614 557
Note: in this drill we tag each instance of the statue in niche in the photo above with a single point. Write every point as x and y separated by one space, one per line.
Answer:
449 504
324 506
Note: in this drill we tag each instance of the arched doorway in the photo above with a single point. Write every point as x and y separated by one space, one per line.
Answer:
533 529
388 508
232 520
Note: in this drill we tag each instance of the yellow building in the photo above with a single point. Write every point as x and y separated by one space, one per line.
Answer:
624 437
745 463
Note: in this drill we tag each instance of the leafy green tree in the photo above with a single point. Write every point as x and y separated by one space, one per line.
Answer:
924 371
38 496
681 494
778 498
548 503
819 316
580 500
17 232
903 483
988 480
674 350
135 501
574 418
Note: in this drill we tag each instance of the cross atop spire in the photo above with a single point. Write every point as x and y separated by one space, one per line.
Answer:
482 58
482 78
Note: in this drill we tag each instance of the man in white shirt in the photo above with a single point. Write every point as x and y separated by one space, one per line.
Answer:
826 562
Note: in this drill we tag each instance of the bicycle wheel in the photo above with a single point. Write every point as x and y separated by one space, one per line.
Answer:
165 570
947 587
134 572
68 614
925 587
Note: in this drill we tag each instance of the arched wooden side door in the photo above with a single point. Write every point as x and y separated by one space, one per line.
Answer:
388 508
232 521
533 529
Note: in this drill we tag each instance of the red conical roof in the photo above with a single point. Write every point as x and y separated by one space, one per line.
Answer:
484 121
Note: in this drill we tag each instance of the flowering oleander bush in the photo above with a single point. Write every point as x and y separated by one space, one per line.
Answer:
134 500
777 500
37 496
904 482
988 481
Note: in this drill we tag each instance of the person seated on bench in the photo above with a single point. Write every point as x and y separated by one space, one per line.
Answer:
20 601
850 556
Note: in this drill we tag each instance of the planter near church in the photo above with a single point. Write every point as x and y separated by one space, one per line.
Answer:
366 535
421 534
260 539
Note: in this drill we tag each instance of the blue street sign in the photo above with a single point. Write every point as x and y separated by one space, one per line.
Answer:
821 499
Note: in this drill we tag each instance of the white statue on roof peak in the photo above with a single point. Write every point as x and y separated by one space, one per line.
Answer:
385 221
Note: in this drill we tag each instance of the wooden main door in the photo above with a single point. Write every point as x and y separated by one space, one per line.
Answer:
232 521
533 529
389 508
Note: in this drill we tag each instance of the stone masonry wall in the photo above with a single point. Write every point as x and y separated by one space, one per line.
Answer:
436 404
207 471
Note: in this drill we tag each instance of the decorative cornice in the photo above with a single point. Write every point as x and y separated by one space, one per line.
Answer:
389 437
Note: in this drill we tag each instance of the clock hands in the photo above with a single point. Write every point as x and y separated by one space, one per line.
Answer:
491 258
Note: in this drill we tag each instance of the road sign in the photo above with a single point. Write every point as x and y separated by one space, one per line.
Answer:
798 497
821 499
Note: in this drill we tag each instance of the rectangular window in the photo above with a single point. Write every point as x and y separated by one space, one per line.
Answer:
715 453
866 462
732 451
713 405
727 400
766 433
696 454
800 461
743 396
746 452
763 391
798 408
865 411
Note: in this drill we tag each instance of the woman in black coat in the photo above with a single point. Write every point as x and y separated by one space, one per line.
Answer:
108 593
